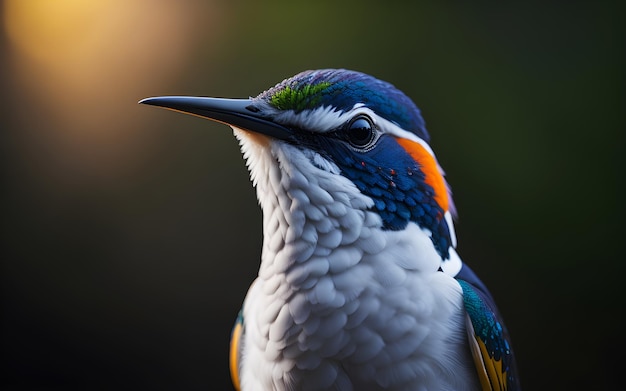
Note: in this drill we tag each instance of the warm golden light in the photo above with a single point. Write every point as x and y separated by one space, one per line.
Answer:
48 30
87 63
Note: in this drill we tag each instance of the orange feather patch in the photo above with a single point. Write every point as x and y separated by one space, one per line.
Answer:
234 355
428 165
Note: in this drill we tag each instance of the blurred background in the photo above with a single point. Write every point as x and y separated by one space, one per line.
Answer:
130 234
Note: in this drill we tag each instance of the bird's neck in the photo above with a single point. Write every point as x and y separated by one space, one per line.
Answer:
317 223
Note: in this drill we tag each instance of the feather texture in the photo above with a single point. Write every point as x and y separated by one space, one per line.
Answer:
360 286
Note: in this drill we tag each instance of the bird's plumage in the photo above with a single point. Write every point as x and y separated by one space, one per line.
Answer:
360 286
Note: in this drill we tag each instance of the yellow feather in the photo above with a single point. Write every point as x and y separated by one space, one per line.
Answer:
490 373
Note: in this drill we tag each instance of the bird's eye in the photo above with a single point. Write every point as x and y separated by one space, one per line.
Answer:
360 132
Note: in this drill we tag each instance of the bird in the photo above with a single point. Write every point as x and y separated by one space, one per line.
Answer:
360 285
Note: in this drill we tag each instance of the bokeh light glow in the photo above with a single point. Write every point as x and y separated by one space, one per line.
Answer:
89 62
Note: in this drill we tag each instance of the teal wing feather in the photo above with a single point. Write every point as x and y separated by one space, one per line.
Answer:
488 336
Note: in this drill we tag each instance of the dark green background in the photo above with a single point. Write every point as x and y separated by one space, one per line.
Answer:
131 279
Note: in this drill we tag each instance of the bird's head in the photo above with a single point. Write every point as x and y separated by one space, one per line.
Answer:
339 129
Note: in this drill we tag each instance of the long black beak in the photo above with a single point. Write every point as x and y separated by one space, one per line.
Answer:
241 113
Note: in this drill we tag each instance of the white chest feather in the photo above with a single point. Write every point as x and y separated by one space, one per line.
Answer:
338 302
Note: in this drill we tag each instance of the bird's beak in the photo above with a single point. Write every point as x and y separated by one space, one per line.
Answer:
241 113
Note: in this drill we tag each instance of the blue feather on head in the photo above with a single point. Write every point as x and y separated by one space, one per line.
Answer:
342 89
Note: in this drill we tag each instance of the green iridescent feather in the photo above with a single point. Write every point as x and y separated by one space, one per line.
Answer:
299 97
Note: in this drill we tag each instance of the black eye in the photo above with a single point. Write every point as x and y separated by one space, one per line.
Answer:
360 131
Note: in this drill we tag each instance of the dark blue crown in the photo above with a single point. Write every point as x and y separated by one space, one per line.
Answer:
342 89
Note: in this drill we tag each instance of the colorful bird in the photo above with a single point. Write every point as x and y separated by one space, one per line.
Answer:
360 286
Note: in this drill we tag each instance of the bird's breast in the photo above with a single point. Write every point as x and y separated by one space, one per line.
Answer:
358 314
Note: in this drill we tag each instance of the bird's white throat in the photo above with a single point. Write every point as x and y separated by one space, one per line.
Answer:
327 267
312 215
